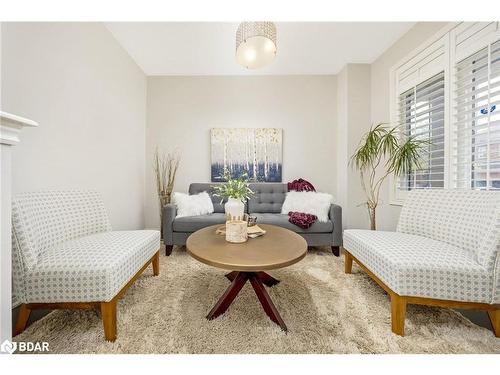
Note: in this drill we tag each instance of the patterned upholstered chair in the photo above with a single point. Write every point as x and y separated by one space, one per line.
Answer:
445 252
65 255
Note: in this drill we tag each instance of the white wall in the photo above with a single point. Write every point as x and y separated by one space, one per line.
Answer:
90 100
387 214
353 121
340 141
181 111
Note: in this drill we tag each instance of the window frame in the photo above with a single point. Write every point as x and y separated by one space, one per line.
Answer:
466 53
459 40
424 71
414 93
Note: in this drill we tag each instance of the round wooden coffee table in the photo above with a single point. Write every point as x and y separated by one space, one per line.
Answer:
278 248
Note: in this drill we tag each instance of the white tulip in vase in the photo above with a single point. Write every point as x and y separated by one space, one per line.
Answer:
236 191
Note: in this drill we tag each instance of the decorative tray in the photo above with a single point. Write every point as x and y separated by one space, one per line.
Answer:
253 231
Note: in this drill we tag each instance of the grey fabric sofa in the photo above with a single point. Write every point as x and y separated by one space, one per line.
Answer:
265 204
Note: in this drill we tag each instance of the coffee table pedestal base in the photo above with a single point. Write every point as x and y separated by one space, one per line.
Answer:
257 280
267 279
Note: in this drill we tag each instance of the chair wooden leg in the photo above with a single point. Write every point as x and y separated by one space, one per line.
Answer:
108 312
347 262
22 319
336 250
156 263
398 314
495 321
168 249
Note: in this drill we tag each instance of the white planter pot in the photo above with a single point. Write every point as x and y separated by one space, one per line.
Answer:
235 209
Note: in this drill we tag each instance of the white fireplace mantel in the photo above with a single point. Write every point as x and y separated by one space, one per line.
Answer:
10 129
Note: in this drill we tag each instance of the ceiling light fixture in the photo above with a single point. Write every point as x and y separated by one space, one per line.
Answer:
255 44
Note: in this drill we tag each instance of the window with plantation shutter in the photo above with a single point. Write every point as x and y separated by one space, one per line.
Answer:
421 115
475 147
447 93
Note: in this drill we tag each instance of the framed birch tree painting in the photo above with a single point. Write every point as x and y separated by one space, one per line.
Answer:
256 152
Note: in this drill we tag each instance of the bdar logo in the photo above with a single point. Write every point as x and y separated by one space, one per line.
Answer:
24 346
8 347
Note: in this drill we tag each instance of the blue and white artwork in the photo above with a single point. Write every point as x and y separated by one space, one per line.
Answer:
256 152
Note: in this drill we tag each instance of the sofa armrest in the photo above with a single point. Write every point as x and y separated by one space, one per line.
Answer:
336 218
169 213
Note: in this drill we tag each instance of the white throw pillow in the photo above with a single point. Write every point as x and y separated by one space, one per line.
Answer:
308 202
192 205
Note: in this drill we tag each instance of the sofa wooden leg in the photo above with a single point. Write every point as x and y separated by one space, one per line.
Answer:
22 319
336 250
156 263
495 321
398 314
108 313
168 249
347 262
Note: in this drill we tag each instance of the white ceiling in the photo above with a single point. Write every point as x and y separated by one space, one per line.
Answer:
208 48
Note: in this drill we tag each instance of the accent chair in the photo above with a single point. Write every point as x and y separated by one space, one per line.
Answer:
65 255
445 252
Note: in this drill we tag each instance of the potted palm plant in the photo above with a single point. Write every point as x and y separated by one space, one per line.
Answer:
383 152
236 191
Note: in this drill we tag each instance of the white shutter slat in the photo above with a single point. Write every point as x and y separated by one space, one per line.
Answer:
477 91
470 31
462 158
463 87
425 129
430 88
423 115
472 66
474 114
468 129
476 100
424 90
435 97
403 187
467 75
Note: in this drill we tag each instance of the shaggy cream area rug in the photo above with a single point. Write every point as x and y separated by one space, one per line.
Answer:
326 311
